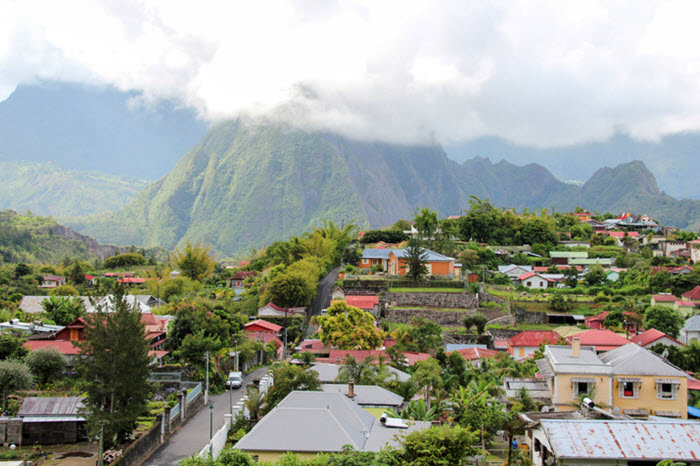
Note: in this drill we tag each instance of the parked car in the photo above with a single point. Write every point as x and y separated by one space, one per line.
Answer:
235 380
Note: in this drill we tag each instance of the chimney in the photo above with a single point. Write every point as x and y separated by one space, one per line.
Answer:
576 347
351 389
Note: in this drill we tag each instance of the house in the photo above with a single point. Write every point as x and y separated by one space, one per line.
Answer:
393 262
239 277
66 339
273 310
663 299
265 332
476 355
653 337
514 271
107 304
583 216
328 373
690 330
693 295
337 293
535 281
630 378
314 346
52 281
131 281
317 422
601 340
565 257
684 308
597 322
613 442
367 396
524 344
52 420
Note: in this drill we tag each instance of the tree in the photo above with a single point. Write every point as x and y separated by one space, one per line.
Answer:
442 445
46 364
14 376
415 259
570 277
114 363
427 377
63 309
425 335
194 262
22 269
426 222
416 411
664 319
289 289
289 378
124 260
595 276
348 327
11 346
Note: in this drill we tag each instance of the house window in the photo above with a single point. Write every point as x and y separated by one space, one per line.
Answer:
365 261
522 352
581 388
528 284
629 389
666 391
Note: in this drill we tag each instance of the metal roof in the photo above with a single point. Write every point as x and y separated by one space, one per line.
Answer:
51 406
631 440
366 395
53 419
634 360
692 324
327 372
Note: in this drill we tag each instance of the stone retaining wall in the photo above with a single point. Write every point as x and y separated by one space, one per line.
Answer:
465 301
142 447
444 318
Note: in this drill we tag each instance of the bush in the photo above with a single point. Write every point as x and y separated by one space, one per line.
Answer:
46 364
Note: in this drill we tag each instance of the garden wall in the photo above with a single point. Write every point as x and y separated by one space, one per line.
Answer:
443 318
465 301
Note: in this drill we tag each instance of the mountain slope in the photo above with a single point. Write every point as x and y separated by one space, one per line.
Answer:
47 189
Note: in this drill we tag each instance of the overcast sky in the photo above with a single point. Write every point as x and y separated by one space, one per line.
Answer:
536 73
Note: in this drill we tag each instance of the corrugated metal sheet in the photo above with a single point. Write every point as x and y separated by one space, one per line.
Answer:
51 406
624 439
53 419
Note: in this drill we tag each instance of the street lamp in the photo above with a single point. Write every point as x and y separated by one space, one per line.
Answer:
206 386
211 427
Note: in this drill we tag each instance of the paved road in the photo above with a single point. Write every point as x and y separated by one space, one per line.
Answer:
194 434
323 296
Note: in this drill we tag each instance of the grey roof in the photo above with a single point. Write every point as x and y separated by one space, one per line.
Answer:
366 395
460 346
32 304
624 440
507 268
692 324
564 362
376 253
327 373
636 360
51 406
381 437
318 422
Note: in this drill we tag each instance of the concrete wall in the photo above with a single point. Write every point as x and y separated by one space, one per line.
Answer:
647 397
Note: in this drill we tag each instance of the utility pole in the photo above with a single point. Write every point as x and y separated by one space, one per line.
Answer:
100 455
211 428
206 387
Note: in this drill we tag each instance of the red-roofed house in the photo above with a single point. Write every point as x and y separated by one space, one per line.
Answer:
602 340
583 216
663 299
652 337
693 295
237 280
685 308
535 280
476 355
52 281
63 340
132 281
597 322
366 303
265 332
524 344
273 310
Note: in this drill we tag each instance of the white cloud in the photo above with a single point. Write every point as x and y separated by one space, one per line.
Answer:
535 72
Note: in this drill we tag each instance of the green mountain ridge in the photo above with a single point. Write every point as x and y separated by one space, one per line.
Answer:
242 187
47 189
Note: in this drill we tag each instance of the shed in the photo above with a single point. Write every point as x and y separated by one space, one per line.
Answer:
49 420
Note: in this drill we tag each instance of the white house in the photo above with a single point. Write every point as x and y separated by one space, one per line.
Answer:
535 280
691 330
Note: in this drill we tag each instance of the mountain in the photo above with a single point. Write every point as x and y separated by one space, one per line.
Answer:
245 186
40 240
84 127
673 158
46 189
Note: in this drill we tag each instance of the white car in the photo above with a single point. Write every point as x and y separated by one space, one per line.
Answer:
235 380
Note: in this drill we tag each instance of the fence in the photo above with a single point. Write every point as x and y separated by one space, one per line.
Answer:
175 411
217 443
193 393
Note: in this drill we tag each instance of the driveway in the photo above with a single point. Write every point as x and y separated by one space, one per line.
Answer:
194 434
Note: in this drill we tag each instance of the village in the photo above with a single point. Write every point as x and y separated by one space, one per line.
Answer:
550 349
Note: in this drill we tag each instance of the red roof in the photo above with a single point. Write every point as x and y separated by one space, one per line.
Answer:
693 383
89 277
620 234
664 298
533 338
650 336
527 275
693 294
276 307
685 303
470 354
363 302
132 280
603 340
64 346
269 326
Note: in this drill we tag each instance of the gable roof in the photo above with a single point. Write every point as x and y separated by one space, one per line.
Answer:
635 360
51 406
650 336
692 324
327 372
664 298
603 340
366 395
508 268
470 354
693 294
527 275
362 302
534 338
264 324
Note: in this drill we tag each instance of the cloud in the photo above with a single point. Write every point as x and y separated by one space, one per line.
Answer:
534 72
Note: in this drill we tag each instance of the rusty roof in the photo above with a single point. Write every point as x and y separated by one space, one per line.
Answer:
631 440
51 406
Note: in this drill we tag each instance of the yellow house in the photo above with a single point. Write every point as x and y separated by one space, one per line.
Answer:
631 378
